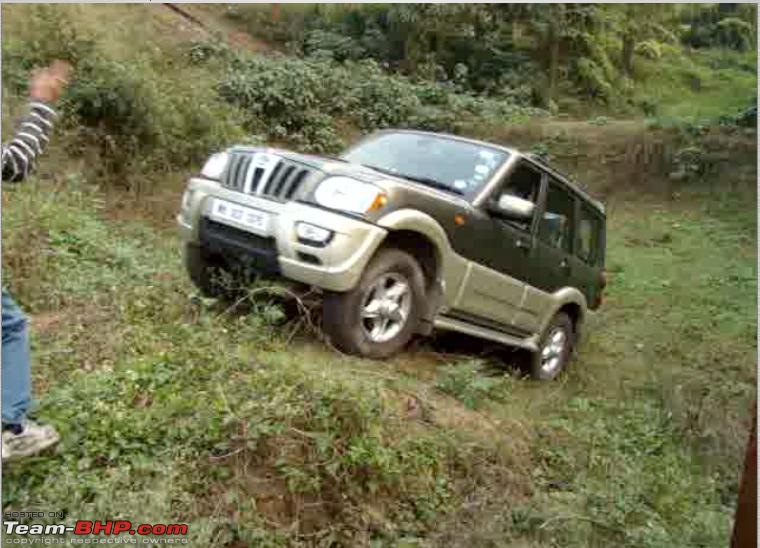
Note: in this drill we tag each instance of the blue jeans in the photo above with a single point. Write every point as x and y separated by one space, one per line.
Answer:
17 377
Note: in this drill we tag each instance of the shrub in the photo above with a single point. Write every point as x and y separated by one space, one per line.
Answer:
138 118
470 384
689 163
287 98
384 101
592 79
300 100
734 33
326 44
649 49
56 37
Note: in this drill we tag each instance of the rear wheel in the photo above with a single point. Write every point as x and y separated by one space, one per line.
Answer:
555 349
378 317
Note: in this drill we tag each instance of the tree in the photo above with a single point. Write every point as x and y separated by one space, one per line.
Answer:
636 23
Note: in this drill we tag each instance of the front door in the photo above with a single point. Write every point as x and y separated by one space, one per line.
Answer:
501 252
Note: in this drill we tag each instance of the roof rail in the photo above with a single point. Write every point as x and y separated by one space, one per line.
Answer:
537 158
580 186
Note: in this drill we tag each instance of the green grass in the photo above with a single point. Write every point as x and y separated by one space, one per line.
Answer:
153 391
216 420
698 85
173 409
651 429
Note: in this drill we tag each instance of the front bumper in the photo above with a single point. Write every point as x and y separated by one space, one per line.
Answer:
336 266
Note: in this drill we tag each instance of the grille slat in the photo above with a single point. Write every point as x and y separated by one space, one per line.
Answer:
257 173
236 170
236 179
284 177
244 171
273 177
280 181
294 185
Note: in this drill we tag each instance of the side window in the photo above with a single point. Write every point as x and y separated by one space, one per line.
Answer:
524 182
556 226
588 235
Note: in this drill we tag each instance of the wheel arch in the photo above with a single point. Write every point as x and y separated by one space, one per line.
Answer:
424 238
420 235
573 303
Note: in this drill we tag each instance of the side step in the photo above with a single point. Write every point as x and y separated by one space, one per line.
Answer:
451 324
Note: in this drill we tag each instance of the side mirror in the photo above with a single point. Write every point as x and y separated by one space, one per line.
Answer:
513 208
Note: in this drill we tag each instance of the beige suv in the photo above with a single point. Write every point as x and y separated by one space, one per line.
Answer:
404 233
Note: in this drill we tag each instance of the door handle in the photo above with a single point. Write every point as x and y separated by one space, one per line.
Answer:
564 265
522 244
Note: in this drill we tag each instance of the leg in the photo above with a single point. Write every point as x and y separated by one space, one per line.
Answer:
21 437
16 374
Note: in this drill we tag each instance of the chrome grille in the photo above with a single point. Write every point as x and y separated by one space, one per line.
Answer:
237 170
265 175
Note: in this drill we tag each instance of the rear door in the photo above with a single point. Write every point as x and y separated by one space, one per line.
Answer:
555 264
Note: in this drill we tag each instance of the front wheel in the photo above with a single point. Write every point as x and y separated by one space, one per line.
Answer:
205 271
378 317
555 349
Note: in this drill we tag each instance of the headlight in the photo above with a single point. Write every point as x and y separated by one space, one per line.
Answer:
346 194
215 166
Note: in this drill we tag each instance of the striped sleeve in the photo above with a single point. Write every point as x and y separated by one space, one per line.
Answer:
30 140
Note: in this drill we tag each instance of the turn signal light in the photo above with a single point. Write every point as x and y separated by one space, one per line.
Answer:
379 201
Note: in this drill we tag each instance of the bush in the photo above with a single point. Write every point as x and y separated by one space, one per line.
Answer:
592 79
734 33
56 37
331 45
288 99
730 32
140 119
689 163
649 49
470 384
300 100
385 101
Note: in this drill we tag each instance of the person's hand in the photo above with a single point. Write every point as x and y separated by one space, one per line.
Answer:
47 84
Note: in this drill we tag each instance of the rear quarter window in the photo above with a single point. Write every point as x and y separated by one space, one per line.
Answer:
589 244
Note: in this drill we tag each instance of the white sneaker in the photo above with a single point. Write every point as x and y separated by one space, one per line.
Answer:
29 439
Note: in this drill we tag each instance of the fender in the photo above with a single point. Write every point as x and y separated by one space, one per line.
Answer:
563 297
452 266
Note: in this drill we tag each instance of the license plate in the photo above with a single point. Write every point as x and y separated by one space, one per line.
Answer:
255 219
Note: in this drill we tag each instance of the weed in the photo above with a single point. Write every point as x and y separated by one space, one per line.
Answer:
468 383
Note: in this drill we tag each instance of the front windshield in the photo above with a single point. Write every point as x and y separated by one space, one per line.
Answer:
453 165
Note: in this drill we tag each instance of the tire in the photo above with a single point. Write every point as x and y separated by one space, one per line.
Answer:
204 271
354 321
561 333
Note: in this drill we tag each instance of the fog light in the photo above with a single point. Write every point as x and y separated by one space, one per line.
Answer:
187 198
308 233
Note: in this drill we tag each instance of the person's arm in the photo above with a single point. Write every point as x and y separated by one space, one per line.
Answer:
33 132
30 140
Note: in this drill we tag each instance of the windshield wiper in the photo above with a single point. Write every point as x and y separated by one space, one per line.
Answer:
422 180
